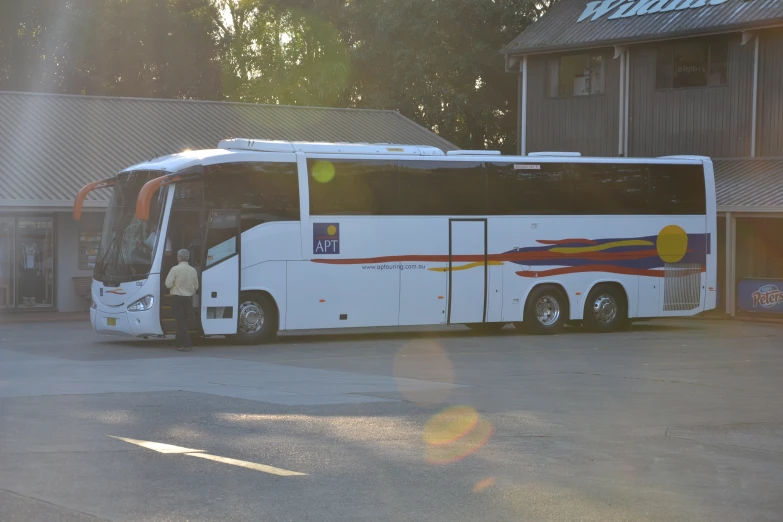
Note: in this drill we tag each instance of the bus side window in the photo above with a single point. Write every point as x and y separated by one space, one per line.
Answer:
677 189
528 189
443 188
610 188
353 188
263 192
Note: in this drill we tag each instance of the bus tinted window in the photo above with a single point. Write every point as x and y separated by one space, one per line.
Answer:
677 189
262 191
601 188
364 188
188 195
443 188
525 189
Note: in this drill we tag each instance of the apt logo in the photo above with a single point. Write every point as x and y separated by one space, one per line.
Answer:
326 238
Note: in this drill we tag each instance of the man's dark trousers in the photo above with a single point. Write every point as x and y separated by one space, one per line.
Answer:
182 306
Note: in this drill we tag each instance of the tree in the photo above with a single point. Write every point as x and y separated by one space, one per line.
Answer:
281 53
148 48
439 63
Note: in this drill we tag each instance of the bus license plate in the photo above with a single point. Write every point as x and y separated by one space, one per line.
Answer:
111 321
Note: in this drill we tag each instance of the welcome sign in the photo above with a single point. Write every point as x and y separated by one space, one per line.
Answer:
627 8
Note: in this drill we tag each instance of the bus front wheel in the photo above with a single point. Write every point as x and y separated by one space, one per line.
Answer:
606 309
546 310
256 320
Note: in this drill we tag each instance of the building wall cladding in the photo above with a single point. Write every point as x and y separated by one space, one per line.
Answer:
770 129
586 124
710 121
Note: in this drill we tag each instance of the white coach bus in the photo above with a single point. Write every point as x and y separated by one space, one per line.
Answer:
294 236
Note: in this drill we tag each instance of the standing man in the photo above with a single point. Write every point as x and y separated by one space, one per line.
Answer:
183 283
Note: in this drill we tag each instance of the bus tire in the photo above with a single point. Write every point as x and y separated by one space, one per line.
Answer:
485 328
546 310
257 319
606 309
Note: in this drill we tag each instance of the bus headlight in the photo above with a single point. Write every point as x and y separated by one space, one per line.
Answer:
143 304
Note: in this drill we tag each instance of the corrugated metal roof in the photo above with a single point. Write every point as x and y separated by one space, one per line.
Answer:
559 29
52 145
749 184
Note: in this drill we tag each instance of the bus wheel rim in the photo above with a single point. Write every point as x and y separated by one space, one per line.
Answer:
547 310
251 317
605 308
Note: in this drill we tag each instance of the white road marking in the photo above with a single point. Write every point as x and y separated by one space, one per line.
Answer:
179 450
245 464
158 446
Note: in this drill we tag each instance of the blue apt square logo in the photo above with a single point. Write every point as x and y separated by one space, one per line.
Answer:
326 238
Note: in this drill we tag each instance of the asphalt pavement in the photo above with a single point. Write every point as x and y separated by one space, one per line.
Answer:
671 420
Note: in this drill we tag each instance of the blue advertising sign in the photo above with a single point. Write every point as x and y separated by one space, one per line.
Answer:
760 295
326 238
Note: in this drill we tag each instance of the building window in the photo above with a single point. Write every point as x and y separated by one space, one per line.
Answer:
90 228
576 75
692 64
34 262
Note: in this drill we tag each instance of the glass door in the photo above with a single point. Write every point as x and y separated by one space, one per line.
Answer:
220 273
6 262
34 262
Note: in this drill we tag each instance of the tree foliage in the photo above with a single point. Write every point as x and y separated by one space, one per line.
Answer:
146 48
436 61
439 62
281 53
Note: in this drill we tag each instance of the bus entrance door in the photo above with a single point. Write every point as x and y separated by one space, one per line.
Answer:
467 271
220 273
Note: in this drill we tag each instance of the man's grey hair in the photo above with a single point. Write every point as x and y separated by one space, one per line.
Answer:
183 254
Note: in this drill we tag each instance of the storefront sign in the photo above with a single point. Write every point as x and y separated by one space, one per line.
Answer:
760 295
627 8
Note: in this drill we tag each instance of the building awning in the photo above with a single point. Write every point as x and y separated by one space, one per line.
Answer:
53 145
749 184
577 24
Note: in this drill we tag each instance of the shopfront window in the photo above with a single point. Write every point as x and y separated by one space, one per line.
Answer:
6 262
90 227
34 262
692 64
576 75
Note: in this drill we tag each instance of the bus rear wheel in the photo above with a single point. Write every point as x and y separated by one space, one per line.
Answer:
546 310
606 309
256 320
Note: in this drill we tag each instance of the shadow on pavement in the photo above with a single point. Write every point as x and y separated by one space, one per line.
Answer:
387 334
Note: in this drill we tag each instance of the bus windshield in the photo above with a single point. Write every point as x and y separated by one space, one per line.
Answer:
127 244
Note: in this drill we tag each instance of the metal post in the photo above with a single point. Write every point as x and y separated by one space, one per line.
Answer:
627 100
754 114
731 263
523 110
621 125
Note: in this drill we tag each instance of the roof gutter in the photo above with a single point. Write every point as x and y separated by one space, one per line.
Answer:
678 35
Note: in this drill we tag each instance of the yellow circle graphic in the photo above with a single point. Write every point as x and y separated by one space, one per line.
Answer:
672 243
331 230
323 171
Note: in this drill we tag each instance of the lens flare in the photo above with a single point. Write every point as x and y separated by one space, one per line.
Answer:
481 485
323 171
455 433
424 372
